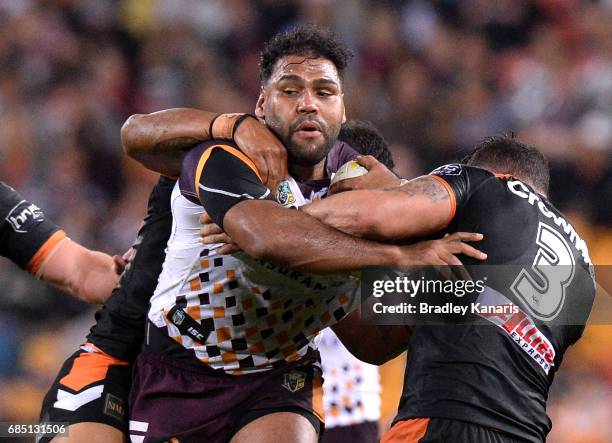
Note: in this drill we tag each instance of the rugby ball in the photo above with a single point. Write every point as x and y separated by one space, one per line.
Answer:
350 169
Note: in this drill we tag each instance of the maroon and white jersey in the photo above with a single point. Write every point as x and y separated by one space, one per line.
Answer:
233 312
351 392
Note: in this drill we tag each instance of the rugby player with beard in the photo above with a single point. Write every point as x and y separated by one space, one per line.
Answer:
229 352
293 420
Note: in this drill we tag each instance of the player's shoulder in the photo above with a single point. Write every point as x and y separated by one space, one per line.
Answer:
197 156
459 169
200 149
340 153
216 157
465 180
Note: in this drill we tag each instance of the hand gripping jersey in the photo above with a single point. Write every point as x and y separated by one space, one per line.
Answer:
27 236
351 392
233 312
497 372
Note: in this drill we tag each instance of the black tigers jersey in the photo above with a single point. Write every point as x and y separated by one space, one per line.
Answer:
496 369
119 328
27 236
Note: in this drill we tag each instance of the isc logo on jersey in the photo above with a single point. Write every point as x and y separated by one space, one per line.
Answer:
24 215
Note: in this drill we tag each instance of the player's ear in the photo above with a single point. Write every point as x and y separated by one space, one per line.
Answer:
259 106
343 111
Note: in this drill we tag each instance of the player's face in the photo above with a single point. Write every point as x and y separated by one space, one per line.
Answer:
303 104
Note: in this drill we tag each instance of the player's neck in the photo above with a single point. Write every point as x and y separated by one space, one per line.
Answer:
302 173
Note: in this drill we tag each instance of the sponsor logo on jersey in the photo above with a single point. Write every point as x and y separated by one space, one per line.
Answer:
519 327
284 195
294 381
187 325
195 334
452 169
178 316
114 407
24 216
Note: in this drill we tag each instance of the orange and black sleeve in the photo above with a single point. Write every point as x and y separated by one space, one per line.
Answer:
27 236
461 181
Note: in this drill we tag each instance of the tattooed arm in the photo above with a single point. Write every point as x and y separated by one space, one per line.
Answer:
420 207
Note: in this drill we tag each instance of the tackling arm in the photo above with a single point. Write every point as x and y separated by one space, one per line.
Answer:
266 230
159 140
420 207
233 195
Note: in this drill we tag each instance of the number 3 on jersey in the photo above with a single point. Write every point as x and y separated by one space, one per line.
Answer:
542 287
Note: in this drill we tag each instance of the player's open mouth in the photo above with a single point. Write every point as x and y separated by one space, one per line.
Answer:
308 130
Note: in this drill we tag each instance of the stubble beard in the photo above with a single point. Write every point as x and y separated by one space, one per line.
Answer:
308 154
304 153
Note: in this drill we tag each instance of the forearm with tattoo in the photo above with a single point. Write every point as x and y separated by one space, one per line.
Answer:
158 140
425 186
420 207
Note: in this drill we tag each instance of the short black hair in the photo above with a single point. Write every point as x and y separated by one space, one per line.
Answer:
366 139
304 40
506 155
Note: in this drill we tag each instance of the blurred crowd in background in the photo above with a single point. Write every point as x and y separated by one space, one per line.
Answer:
434 76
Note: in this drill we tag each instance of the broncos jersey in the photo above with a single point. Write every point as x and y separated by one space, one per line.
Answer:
351 392
496 370
27 236
233 312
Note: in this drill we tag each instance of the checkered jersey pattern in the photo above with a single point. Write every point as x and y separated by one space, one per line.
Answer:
351 389
260 315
